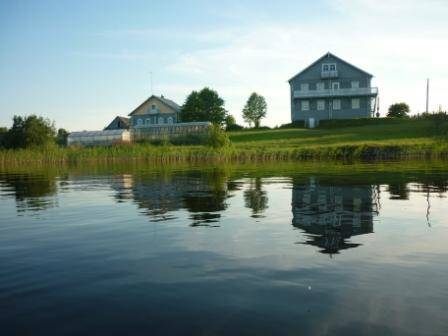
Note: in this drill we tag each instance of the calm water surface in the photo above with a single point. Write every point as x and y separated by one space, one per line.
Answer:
224 250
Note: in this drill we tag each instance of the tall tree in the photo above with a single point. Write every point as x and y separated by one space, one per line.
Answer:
31 131
398 110
255 109
3 131
205 105
61 137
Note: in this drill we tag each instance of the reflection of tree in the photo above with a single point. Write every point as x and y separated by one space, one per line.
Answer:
255 198
203 193
398 191
31 191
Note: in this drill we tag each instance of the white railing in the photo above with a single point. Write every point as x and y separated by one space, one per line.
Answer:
371 91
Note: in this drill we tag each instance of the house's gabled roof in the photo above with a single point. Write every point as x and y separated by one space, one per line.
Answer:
124 121
328 54
163 100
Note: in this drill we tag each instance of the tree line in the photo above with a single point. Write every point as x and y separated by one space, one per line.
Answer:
32 131
207 105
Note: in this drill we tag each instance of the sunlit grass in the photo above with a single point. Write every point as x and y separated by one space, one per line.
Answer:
403 140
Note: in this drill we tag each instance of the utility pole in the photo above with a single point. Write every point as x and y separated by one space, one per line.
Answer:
427 95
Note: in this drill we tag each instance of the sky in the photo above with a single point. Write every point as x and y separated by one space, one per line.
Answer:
81 63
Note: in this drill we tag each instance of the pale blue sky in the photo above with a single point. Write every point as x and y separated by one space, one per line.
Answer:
81 63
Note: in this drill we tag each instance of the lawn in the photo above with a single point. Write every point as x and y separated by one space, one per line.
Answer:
403 133
406 139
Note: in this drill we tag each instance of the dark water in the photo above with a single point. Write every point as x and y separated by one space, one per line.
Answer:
268 250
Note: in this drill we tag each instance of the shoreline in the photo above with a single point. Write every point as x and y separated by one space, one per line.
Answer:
172 154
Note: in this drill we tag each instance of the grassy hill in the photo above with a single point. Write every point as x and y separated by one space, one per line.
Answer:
405 132
386 140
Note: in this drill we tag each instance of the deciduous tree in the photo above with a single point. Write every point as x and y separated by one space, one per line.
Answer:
255 109
205 105
398 110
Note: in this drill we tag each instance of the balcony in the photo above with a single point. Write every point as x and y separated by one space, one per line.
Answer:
329 74
153 111
371 91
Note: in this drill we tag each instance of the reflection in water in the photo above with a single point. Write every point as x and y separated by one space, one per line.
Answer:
331 214
202 194
255 198
32 192
106 266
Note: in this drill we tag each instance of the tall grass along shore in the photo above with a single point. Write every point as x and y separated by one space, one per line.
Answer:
406 139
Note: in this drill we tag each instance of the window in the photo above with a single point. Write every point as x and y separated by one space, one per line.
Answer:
329 67
153 107
139 122
321 105
336 104
305 105
335 85
355 85
304 87
356 103
320 86
169 120
148 121
160 120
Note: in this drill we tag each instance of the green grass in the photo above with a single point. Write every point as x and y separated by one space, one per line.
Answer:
404 139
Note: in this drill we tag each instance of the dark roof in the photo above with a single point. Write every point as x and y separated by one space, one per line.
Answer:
124 121
328 54
162 99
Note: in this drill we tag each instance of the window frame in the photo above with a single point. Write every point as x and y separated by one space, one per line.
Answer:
304 86
338 104
320 86
327 67
320 105
358 105
303 104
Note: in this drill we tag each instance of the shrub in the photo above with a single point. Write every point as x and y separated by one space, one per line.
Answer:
217 138
234 127
189 139
294 124
338 123
398 110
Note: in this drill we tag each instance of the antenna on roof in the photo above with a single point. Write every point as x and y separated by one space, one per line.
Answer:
152 88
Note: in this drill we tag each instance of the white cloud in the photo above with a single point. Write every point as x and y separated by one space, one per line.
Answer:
399 43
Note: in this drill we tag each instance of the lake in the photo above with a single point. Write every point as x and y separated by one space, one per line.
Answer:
267 249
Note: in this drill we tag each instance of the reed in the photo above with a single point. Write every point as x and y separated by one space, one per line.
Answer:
411 139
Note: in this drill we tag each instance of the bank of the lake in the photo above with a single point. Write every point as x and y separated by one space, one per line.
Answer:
407 139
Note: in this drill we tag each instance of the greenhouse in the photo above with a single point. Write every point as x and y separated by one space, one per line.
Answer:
95 138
